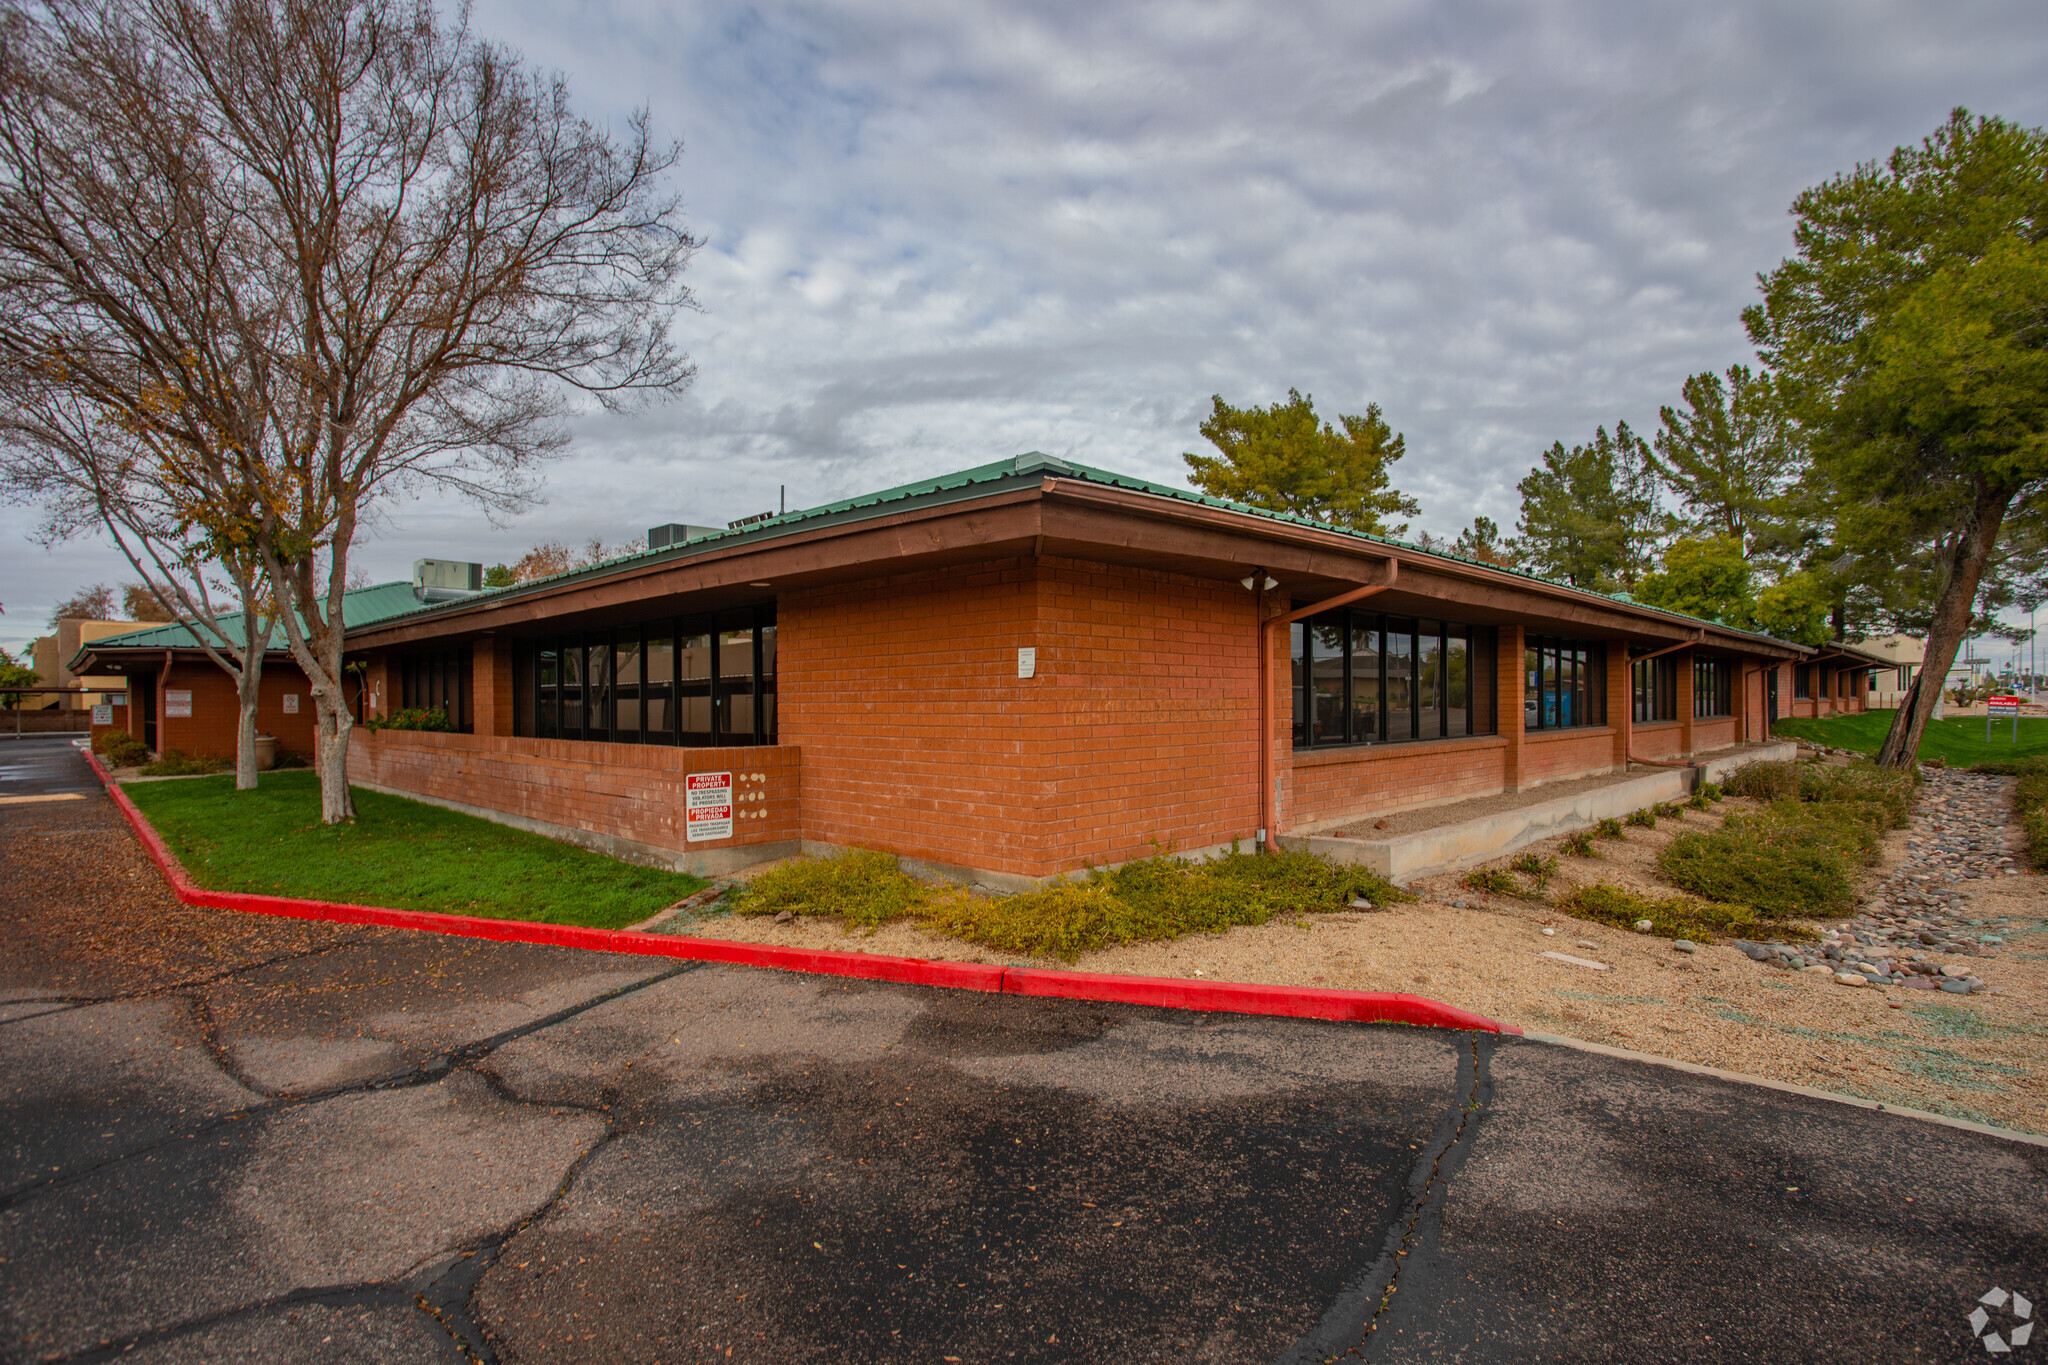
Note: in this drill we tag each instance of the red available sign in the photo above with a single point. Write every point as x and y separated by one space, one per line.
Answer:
2004 703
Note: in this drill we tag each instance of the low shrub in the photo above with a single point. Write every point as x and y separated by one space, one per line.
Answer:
1580 845
1645 818
1494 880
1152 898
120 748
172 763
1790 858
1669 810
1764 781
287 760
1697 802
1709 791
1157 898
1675 917
862 886
1610 828
1886 793
433 718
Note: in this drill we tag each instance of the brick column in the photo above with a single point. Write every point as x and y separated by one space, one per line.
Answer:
1508 691
490 673
1685 707
1619 700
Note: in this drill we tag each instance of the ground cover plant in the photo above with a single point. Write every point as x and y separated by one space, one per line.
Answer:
1610 828
396 852
1799 853
1155 898
173 763
861 886
1642 819
1957 740
1536 867
1580 845
1672 917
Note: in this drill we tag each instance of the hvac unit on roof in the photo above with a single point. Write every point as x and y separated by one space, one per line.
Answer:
675 533
446 580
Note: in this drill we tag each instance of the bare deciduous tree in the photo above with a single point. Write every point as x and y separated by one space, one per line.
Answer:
90 470
357 249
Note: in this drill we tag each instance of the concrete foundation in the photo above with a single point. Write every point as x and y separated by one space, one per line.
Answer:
1466 844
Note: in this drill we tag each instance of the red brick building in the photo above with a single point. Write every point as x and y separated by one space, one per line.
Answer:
179 698
1031 667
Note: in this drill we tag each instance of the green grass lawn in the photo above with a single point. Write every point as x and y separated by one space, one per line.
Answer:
398 853
1959 739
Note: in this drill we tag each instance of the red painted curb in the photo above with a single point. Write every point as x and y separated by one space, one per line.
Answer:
1225 997
1241 997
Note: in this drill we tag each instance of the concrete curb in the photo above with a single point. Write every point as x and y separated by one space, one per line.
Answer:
1223 997
1787 1087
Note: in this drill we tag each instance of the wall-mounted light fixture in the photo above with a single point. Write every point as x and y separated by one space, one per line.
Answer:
1252 583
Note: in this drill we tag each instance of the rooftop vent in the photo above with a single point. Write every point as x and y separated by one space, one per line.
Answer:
445 580
675 533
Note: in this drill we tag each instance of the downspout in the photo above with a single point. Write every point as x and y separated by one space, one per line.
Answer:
1628 729
1269 811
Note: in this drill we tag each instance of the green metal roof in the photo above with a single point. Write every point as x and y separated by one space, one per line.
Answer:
1021 471
359 607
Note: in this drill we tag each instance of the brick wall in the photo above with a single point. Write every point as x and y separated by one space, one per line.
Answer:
210 730
1713 734
1333 786
1657 739
919 736
624 791
1555 755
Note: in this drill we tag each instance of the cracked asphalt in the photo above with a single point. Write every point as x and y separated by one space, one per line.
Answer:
227 1137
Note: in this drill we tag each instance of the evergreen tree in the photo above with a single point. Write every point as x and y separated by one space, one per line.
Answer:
1481 541
1283 459
1912 332
1728 453
1590 515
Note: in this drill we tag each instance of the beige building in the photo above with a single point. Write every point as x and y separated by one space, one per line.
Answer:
48 656
1888 685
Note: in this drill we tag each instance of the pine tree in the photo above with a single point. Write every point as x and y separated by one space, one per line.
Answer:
1590 514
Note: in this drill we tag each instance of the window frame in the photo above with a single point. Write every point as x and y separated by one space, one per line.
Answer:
1359 635
540 707
1571 684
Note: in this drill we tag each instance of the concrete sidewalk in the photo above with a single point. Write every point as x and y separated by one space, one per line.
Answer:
226 1137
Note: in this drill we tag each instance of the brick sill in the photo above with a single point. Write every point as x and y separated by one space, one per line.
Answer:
1560 736
1367 753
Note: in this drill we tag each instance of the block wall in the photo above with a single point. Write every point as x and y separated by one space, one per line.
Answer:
1339 785
1555 755
624 791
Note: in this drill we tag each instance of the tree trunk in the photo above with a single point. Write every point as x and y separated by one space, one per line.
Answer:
245 730
331 727
1950 625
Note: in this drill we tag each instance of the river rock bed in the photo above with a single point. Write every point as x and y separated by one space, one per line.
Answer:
1920 914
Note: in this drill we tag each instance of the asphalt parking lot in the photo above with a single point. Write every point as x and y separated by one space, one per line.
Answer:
228 1137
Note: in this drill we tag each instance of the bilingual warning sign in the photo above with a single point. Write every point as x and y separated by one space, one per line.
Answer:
103 714
177 702
707 814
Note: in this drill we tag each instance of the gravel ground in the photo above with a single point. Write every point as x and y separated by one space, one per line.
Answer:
1981 1056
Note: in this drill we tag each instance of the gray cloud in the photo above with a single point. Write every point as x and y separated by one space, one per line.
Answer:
941 233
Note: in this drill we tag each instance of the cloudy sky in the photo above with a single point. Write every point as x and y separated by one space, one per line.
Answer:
936 234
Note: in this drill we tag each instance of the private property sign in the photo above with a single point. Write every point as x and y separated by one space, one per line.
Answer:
707 813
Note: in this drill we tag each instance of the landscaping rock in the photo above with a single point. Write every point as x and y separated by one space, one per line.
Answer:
1956 987
1684 945
1643 926
1851 979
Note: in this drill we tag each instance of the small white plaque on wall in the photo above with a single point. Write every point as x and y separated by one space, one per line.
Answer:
291 703
1027 662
